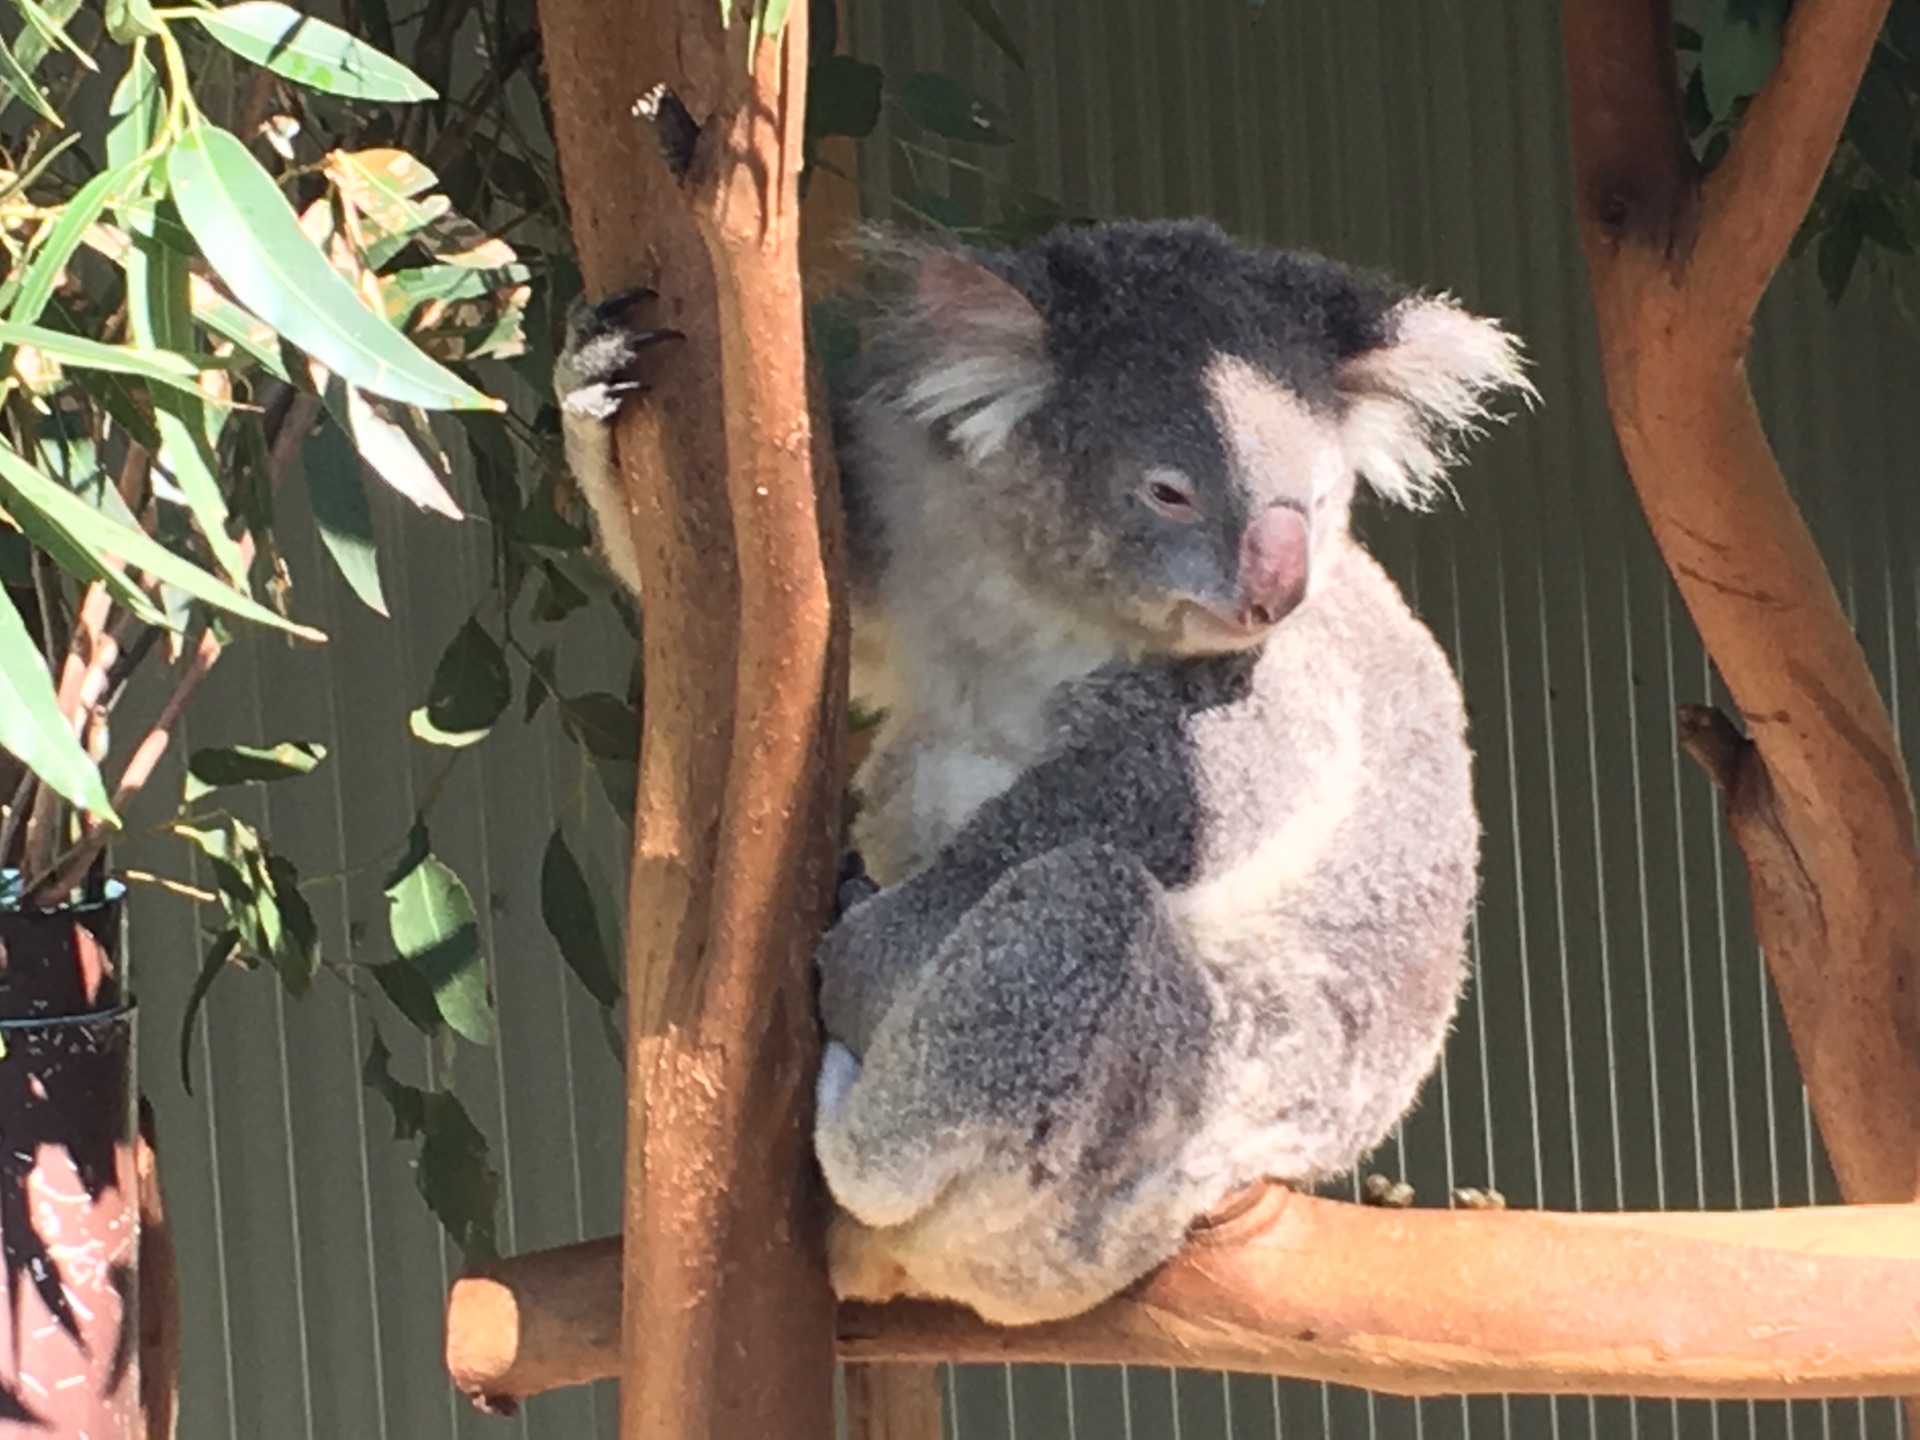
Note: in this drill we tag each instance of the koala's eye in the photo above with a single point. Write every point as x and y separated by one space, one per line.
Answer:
1170 496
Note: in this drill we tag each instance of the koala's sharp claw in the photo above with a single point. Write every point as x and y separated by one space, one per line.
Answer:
1384 1190
639 339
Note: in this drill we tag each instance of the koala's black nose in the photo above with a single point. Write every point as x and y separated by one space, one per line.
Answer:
1274 563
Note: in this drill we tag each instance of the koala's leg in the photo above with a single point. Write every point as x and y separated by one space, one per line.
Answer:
1039 1070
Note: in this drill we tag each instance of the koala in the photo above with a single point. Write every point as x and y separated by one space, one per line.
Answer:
1171 809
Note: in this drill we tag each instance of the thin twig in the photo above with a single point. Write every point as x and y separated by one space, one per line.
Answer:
61 878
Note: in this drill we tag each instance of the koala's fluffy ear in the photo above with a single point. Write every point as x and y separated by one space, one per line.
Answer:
1410 400
984 365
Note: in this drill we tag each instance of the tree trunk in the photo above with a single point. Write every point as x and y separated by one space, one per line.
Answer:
1817 797
727 1317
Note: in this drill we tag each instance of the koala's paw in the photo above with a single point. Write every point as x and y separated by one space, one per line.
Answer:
590 378
854 886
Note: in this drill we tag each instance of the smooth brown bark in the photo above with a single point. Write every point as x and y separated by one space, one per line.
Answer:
727 1313
1818 798
1775 1304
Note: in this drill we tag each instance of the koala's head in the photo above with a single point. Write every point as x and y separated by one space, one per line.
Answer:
1172 423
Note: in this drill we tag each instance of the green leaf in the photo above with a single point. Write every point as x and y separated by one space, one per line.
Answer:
408 1102
220 954
982 13
1880 125
949 106
566 904
471 686
432 922
843 97
410 993
213 767
311 52
164 367
98 537
403 460
1839 251
604 724
339 501
48 26
260 892
17 83
1879 224
61 238
128 20
136 108
458 1184
1738 52
32 728
251 236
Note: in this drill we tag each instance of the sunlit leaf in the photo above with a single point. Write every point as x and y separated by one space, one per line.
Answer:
410 466
311 52
163 367
566 904
128 20
430 916
32 729
85 527
471 688
17 83
46 29
211 767
260 892
251 237
62 237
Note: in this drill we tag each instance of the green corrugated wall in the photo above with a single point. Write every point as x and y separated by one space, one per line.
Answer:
1618 1047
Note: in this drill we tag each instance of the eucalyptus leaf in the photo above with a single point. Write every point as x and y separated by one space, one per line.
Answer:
843 97
949 106
410 993
61 238
86 528
220 954
16 82
32 728
982 13
431 918
163 367
311 52
1880 125
129 20
471 685
1839 251
1738 51
252 238
213 767
338 499
566 904
456 1180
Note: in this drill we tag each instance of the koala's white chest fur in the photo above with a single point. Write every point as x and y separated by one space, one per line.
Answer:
957 735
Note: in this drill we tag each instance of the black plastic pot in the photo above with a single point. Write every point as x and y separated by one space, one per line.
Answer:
69 1207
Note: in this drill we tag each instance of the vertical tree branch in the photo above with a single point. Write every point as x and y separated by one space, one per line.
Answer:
1819 800
727 1317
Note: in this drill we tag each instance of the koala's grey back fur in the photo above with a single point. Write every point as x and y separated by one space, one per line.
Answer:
1214 936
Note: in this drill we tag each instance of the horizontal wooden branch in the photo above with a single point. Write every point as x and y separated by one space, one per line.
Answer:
1764 1304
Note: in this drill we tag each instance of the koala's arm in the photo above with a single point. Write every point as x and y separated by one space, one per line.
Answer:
1118 791
589 385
